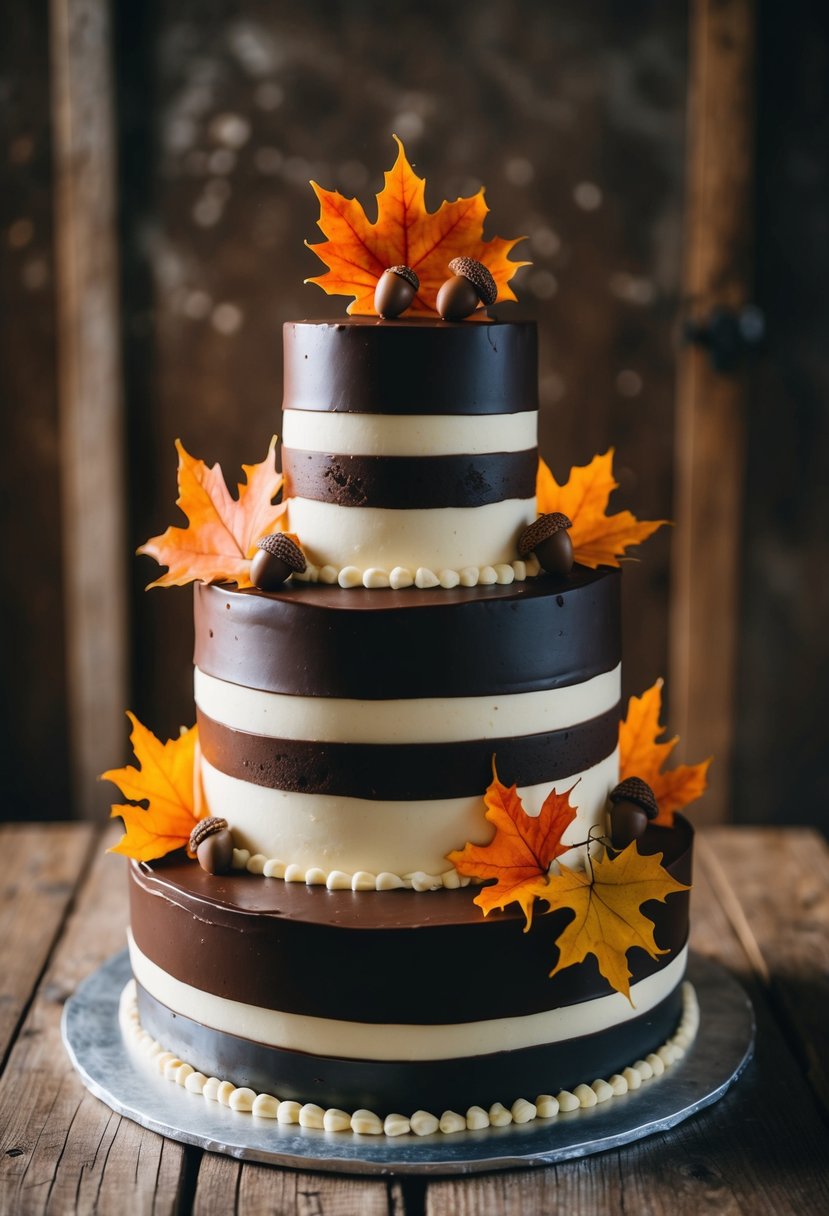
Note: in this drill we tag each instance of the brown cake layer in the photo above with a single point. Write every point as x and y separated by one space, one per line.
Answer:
433 1085
409 482
316 640
376 956
364 365
411 772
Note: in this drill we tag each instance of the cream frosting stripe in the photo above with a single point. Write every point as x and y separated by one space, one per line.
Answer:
434 538
327 833
369 1041
413 720
409 435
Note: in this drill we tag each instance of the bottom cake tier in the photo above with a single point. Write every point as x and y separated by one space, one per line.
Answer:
392 1001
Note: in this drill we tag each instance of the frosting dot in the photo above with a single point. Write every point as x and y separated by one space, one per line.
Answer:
426 578
311 1116
350 576
400 577
396 1125
477 1118
424 1124
451 1121
499 1116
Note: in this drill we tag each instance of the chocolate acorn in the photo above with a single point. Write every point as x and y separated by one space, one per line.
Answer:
632 806
395 290
549 539
212 843
471 284
278 558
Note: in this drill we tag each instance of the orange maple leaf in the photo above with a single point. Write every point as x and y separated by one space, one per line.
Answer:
520 852
222 531
607 903
640 755
165 781
405 233
598 539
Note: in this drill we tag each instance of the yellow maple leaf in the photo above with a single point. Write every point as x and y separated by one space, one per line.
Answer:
640 755
608 920
222 531
520 851
405 233
165 781
598 539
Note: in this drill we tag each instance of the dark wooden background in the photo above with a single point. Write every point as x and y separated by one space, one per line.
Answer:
574 117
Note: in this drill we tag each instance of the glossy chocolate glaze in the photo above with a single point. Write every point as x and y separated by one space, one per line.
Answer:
315 640
366 365
409 482
388 1085
376 956
407 771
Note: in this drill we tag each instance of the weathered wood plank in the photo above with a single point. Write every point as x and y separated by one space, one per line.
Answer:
226 1187
709 414
780 883
61 1150
89 388
41 868
761 1151
33 664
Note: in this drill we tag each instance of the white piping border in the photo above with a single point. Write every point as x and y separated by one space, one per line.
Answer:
400 577
420 1123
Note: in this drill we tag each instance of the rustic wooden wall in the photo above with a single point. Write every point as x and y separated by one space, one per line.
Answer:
782 757
573 117
34 760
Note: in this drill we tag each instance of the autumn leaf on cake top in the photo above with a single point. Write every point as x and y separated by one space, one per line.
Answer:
598 539
164 779
640 755
606 901
405 234
222 531
521 851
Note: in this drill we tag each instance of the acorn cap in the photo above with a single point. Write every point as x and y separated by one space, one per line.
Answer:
479 277
281 546
406 273
637 791
204 828
544 527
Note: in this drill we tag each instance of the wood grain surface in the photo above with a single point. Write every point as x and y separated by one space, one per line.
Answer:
759 907
61 1150
93 502
710 405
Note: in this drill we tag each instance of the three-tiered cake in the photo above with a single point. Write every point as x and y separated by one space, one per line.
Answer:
340 952
347 736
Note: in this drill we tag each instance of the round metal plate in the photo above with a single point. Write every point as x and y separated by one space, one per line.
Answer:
128 1084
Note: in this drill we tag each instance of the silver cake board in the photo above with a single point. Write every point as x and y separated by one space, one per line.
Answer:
130 1086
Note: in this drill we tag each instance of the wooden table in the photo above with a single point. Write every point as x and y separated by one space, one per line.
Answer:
761 906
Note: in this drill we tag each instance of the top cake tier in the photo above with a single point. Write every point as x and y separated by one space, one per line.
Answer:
410 448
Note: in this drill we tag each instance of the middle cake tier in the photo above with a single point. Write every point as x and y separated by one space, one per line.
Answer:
352 733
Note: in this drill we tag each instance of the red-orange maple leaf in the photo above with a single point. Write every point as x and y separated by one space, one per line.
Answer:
222 531
640 755
521 851
405 233
164 779
598 539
